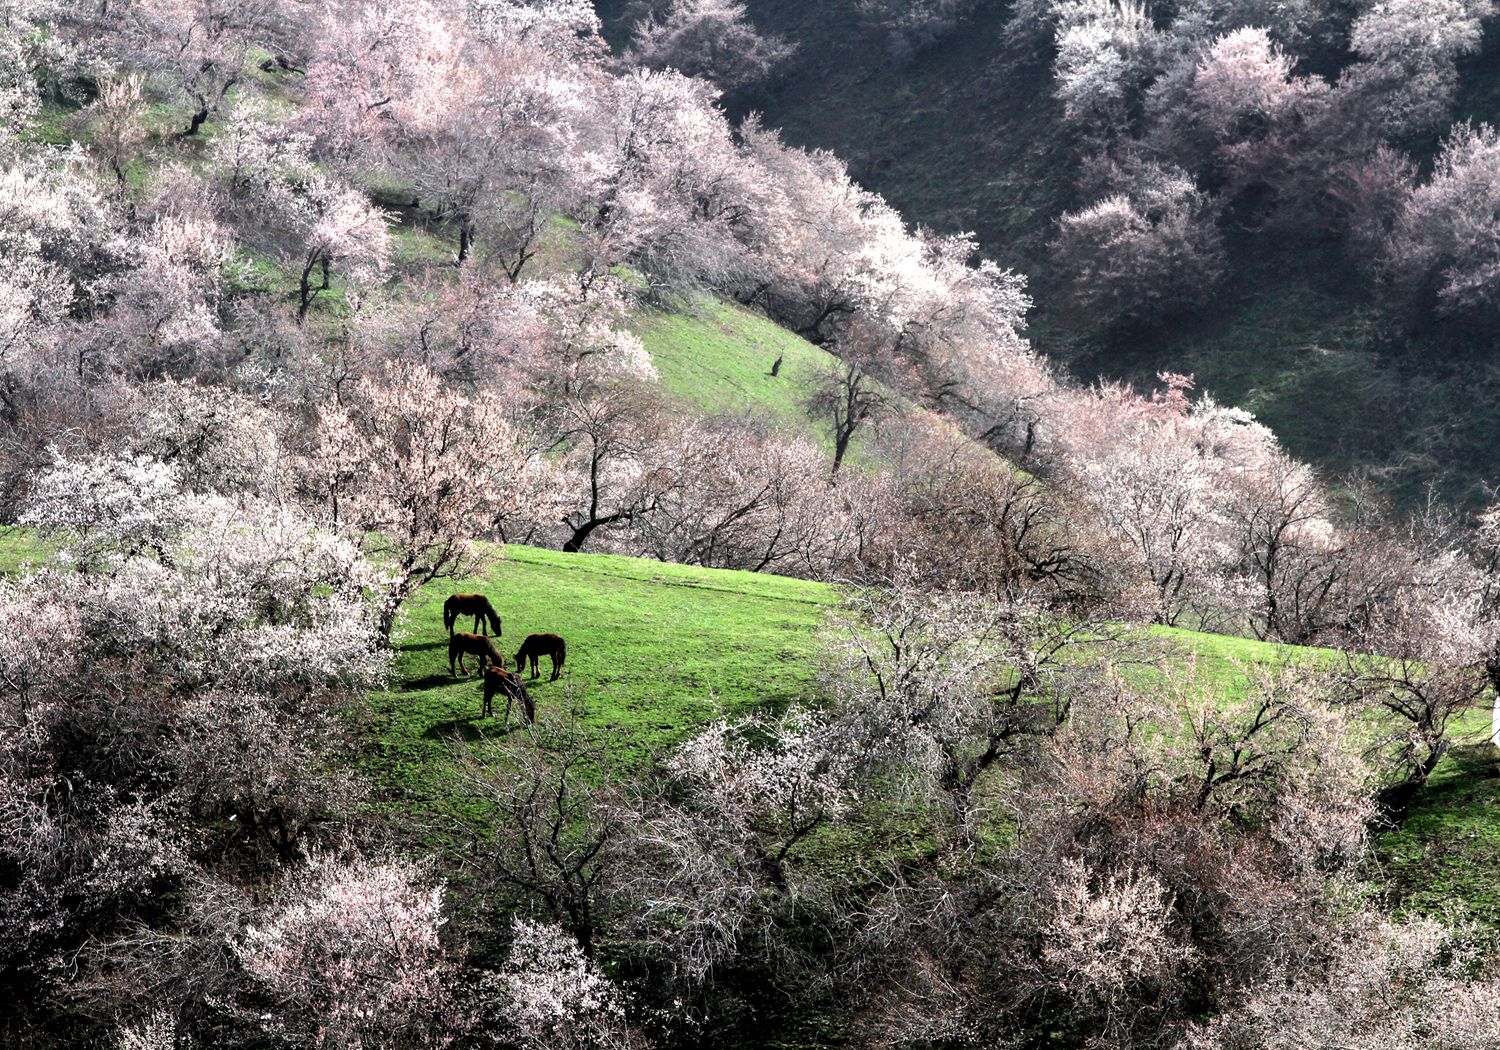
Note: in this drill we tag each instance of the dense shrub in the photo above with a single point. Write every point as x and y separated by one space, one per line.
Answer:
1143 253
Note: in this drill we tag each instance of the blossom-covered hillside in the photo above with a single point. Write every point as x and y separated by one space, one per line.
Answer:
897 687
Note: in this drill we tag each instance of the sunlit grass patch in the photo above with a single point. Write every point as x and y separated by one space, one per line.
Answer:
655 651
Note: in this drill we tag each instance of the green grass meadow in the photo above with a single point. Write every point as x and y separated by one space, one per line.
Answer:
714 357
1226 665
655 650
21 549
717 356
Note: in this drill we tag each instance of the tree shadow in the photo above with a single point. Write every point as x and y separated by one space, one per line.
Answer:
432 681
469 729
421 647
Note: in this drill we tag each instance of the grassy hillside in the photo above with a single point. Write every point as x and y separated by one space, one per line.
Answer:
654 651
20 550
657 650
1226 665
716 357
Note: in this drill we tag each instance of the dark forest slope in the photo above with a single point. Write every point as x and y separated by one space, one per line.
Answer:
967 135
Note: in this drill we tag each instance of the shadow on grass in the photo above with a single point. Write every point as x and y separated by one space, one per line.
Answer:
1444 855
422 647
471 728
433 681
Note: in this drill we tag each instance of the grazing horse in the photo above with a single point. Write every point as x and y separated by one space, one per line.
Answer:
497 680
480 645
538 645
475 605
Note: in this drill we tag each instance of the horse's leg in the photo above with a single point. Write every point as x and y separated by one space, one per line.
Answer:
556 668
507 708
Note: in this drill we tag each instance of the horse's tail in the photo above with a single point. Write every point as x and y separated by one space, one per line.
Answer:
562 651
450 615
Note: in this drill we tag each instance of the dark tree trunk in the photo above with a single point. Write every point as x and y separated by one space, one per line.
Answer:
306 290
841 446
195 123
465 240
581 536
